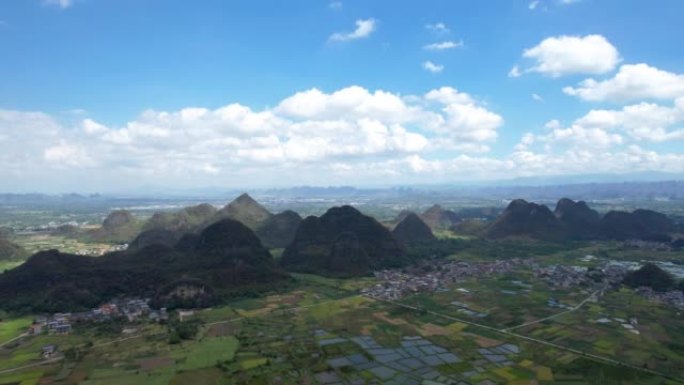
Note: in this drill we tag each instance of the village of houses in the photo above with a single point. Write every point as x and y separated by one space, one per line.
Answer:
131 310
395 284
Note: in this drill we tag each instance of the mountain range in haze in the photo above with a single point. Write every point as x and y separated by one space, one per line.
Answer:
587 187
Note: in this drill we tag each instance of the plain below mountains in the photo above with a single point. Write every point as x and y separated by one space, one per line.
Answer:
10 250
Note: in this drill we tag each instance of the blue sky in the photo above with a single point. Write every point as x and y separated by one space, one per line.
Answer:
100 94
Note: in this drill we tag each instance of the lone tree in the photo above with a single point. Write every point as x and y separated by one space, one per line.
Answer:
652 276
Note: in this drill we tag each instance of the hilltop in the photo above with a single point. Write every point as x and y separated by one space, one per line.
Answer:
274 231
166 228
639 224
246 210
119 226
187 219
439 218
522 218
579 220
412 229
342 242
650 275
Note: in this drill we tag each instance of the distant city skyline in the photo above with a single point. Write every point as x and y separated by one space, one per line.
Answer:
104 95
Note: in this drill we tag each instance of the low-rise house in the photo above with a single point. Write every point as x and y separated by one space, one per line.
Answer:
49 350
35 329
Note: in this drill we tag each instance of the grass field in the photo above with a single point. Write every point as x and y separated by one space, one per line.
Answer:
205 353
25 378
11 328
8 265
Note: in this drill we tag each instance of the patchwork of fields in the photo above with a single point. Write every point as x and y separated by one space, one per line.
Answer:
324 333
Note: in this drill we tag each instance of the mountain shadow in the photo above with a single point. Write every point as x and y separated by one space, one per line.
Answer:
279 230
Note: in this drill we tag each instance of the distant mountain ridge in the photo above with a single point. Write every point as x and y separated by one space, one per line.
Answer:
274 230
166 228
575 220
187 219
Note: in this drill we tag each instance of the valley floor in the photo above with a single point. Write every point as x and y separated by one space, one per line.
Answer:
490 330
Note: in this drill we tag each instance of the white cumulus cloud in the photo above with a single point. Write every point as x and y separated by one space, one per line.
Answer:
364 27
566 55
65 154
632 82
432 67
643 121
304 133
349 135
59 3
438 28
444 45
514 72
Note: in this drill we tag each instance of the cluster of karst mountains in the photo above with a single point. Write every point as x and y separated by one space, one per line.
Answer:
200 255
575 220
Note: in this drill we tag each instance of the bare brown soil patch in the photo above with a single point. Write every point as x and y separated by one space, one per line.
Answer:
221 330
393 321
150 364
429 329
485 342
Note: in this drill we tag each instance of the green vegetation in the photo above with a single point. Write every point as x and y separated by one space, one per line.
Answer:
194 274
206 352
652 276
183 330
13 327
273 342
26 378
10 251
343 243
272 327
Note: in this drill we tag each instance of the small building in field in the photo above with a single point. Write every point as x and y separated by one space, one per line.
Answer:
49 350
